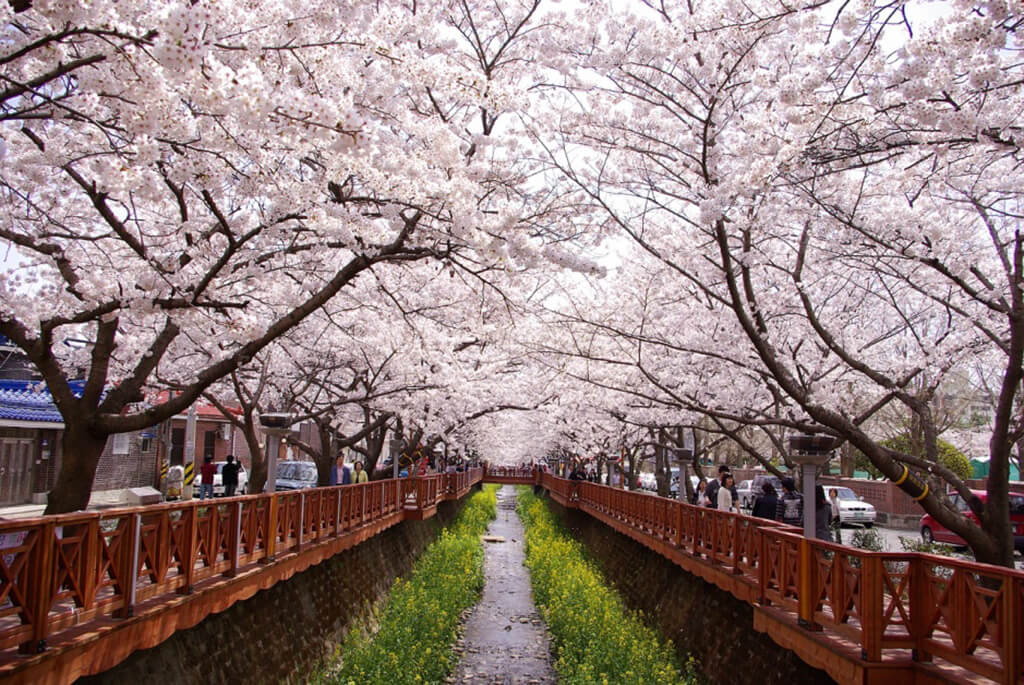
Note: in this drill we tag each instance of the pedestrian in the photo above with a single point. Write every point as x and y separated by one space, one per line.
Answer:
766 503
725 499
700 495
577 472
229 475
837 521
716 483
206 473
822 515
358 474
790 508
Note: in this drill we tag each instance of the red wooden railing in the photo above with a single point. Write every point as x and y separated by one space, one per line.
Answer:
59 572
968 614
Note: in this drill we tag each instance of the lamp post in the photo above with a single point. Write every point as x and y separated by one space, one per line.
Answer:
275 425
810 450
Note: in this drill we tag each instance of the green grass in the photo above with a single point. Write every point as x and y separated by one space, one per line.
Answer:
419 622
597 640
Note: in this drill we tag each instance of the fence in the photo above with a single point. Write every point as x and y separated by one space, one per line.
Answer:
970 615
59 572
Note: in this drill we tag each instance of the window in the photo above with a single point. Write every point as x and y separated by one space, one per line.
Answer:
147 445
120 443
209 443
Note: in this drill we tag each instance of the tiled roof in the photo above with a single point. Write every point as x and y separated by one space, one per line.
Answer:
30 401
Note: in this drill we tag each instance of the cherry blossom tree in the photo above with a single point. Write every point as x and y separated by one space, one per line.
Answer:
838 185
183 183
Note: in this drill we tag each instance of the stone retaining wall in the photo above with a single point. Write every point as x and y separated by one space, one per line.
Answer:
281 634
704 622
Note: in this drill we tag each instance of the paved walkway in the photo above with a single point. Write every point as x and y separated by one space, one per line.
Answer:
504 640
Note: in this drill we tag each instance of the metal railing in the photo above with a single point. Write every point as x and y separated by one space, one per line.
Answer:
968 614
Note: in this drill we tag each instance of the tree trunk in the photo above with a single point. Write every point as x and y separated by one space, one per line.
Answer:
257 460
82 451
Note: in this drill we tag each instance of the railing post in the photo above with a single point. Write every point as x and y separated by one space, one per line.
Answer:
1012 629
40 591
362 515
737 544
763 570
271 541
805 585
91 561
189 553
871 608
235 538
302 519
129 570
920 608
337 512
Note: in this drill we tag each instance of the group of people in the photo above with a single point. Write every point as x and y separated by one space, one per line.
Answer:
228 476
343 475
720 493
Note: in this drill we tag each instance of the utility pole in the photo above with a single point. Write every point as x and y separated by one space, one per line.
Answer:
190 452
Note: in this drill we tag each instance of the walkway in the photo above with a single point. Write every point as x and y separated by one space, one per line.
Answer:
504 640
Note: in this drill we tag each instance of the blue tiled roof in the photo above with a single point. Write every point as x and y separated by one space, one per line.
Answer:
30 401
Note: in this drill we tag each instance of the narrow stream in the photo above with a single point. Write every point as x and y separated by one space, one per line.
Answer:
504 639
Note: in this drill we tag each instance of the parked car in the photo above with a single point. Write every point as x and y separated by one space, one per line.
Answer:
296 475
648 481
744 490
757 485
853 508
218 484
933 531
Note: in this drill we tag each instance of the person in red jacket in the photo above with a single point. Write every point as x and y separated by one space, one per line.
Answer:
207 471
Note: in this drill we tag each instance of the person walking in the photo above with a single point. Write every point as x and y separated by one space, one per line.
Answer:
766 503
822 515
229 475
716 483
700 495
725 498
837 521
358 474
206 473
790 508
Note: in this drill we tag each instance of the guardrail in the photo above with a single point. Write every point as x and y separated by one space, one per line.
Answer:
971 615
62 572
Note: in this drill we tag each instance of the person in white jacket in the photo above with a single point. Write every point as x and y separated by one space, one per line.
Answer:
725 502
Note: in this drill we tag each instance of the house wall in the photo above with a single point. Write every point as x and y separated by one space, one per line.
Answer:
137 467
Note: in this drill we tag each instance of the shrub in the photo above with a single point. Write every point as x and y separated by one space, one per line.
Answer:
596 639
867 539
949 456
420 620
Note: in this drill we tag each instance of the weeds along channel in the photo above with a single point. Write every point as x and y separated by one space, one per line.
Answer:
596 638
418 623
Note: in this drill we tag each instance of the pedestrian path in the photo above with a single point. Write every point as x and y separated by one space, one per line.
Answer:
504 639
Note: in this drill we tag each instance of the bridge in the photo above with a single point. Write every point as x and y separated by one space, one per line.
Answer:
82 591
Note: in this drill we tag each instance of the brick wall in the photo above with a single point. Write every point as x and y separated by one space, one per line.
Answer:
135 468
284 632
702 621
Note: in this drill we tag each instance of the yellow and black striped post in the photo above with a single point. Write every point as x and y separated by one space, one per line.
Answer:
190 473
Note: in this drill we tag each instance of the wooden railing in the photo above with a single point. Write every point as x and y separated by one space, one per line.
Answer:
970 615
59 572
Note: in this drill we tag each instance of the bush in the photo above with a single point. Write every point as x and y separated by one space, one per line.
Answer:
596 639
918 545
420 620
867 539
949 456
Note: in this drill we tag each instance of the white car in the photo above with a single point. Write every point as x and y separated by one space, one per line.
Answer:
218 482
745 493
648 481
852 509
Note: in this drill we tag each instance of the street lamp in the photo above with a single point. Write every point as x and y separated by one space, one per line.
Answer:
275 425
810 450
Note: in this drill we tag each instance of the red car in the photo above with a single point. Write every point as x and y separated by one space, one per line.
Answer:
932 530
